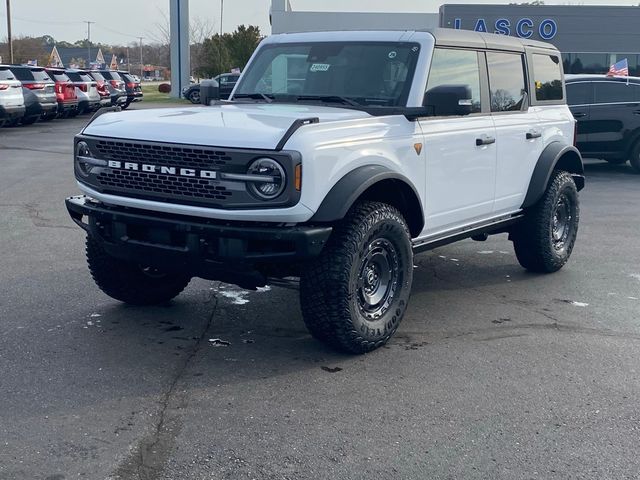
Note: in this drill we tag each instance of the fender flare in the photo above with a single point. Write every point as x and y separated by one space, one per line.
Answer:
555 153
349 188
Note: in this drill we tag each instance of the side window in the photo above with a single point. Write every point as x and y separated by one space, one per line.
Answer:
580 93
506 81
548 77
22 74
456 67
223 80
615 92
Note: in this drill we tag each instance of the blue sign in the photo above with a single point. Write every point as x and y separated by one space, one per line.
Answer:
523 28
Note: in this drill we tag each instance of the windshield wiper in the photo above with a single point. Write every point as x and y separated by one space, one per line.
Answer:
330 99
255 96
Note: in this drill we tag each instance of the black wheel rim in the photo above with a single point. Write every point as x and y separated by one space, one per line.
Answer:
378 279
562 222
152 272
195 97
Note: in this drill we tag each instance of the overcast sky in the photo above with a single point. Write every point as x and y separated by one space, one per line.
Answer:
121 21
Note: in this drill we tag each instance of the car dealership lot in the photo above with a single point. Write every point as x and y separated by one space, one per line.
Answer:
494 373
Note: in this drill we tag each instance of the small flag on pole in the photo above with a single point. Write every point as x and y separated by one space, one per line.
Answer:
619 69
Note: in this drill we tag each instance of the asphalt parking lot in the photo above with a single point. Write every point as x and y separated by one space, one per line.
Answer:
494 373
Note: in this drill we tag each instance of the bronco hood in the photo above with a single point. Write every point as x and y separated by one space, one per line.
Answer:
256 125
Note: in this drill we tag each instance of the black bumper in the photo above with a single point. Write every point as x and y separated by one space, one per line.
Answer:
11 113
206 248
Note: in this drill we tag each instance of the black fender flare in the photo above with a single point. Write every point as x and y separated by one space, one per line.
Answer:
353 185
556 154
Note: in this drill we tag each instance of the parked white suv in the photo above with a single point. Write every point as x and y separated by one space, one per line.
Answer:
12 107
338 157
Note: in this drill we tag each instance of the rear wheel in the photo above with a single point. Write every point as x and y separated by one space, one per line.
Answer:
129 282
355 294
47 117
635 158
545 240
194 96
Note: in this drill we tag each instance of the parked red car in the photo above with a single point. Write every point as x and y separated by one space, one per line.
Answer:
65 92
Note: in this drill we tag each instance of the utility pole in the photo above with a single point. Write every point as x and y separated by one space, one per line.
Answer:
9 38
89 42
141 64
220 46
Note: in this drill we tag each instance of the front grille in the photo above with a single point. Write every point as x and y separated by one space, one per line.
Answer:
155 183
170 155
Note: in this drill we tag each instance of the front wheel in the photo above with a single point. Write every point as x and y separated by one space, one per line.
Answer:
635 158
130 282
355 294
545 240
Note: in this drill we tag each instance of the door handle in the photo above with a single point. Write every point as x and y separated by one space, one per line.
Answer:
485 140
579 115
533 134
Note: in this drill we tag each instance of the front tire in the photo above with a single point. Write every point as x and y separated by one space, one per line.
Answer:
355 294
129 282
545 240
635 158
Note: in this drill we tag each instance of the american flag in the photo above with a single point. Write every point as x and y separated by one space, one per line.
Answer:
619 69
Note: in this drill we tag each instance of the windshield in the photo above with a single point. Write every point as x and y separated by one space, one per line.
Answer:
358 73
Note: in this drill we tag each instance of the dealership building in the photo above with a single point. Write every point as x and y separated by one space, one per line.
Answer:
591 38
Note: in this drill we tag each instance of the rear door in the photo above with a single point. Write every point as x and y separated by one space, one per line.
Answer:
580 98
460 150
518 135
614 117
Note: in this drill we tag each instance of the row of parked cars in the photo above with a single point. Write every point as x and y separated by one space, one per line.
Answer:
29 94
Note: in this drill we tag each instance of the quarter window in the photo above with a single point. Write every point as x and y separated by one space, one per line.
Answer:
456 67
615 92
506 81
548 77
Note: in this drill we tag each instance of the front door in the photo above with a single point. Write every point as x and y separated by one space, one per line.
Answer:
460 151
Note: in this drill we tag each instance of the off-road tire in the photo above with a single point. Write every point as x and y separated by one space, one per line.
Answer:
635 157
331 291
537 249
129 282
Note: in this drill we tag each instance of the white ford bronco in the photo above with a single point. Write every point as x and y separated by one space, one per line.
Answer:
338 156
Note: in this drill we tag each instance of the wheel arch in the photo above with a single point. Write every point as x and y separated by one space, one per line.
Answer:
376 183
556 156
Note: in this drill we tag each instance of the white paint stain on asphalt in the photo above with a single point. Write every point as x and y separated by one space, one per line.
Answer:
636 276
578 304
236 297
486 252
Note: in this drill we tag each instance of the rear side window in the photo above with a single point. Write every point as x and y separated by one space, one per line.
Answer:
23 74
40 75
97 76
111 75
85 77
506 81
456 67
548 77
74 77
615 92
59 76
6 74
580 93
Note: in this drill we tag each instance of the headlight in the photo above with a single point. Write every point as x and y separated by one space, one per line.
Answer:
275 178
83 151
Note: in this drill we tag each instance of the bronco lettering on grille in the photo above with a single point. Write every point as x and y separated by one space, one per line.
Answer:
145 167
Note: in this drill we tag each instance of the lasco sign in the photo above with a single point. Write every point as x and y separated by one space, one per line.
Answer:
523 28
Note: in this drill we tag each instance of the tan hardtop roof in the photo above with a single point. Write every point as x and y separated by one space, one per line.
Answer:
467 38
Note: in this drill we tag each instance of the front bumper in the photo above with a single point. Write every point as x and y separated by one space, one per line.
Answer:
217 250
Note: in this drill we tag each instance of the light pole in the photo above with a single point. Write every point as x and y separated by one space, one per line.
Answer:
88 41
141 64
9 38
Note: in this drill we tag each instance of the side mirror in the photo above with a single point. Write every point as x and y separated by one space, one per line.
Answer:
449 100
209 92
